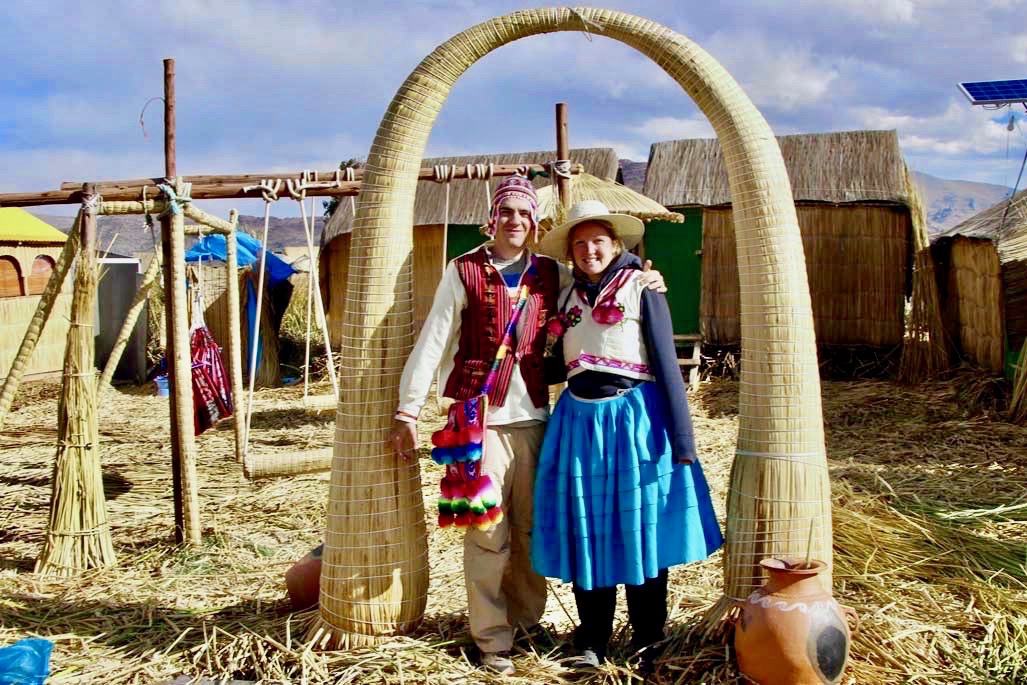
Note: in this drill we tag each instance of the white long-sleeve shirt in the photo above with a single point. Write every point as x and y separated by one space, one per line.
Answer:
436 347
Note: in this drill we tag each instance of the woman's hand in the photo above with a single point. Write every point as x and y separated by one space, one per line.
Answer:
652 279
403 439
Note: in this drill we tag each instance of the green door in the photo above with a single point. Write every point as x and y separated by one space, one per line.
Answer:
674 250
462 238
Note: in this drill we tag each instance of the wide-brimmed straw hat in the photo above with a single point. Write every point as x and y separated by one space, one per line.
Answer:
628 229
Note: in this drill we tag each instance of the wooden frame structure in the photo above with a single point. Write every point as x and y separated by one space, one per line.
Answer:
130 197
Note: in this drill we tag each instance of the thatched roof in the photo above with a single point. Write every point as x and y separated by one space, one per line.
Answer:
467 201
847 166
1004 223
617 197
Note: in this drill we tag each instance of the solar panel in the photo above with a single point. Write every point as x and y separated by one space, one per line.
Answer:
995 92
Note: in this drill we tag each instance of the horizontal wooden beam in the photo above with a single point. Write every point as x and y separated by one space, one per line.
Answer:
233 187
425 174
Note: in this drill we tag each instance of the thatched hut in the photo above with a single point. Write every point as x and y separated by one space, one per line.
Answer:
853 206
982 277
468 210
29 248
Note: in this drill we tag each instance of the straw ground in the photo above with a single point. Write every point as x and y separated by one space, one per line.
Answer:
930 523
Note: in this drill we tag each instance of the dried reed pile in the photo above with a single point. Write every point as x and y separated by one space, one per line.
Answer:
1018 404
926 348
929 524
78 537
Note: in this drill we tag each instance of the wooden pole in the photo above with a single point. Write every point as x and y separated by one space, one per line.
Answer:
183 443
134 310
78 535
235 340
563 151
54 286
222 188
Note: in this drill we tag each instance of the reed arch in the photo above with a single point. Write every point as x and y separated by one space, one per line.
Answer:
374 580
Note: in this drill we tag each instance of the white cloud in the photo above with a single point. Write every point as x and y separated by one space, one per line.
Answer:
877 12
774 72
671 128
625 149
1018 48
958 130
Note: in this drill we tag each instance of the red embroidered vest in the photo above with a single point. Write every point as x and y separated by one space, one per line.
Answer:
484 320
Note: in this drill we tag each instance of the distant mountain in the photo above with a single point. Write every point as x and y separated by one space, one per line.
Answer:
633 173
134 237
947 202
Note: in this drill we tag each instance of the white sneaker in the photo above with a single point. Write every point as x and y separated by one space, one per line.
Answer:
499 662
587 659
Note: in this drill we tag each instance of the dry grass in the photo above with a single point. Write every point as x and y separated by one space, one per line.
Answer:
930 526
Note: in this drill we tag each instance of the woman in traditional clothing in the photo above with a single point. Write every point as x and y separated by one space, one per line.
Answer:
620 495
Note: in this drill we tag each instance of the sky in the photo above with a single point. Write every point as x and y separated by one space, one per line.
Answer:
284 85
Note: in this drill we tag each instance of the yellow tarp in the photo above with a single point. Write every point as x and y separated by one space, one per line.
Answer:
18 225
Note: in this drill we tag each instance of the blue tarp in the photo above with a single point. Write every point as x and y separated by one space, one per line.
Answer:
212 247
26 662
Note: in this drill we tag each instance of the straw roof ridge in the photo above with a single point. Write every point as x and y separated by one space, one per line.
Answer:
17 225
836 167
1005 223
468 203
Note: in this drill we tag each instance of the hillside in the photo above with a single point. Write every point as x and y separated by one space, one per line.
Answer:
133 236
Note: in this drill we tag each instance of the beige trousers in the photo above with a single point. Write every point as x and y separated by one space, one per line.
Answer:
503 590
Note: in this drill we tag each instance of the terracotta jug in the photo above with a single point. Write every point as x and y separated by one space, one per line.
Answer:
303 580
791 631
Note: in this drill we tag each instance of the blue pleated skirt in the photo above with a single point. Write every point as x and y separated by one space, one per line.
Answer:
611 506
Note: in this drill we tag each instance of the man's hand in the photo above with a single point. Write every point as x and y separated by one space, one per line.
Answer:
652 279
403 439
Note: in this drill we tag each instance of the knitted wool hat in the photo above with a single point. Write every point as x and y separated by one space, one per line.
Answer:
513 186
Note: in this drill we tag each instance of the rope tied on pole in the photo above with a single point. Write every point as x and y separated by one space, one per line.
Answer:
559 168
175 200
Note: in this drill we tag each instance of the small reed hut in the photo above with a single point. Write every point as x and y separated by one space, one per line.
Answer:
29 248
982 278
468 210
853 205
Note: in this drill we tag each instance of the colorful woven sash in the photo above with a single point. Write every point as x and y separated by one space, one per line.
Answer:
468 497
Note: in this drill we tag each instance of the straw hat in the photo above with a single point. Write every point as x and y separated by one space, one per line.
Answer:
628 229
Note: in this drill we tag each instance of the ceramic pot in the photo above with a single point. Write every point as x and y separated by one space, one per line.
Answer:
791 631
303 580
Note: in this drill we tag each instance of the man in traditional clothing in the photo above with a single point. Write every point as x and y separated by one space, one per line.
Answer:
472 306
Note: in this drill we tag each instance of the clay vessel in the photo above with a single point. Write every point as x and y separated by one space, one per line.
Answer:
791 631
303 580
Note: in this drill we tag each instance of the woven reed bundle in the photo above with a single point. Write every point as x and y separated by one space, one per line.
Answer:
618 197
374 574
78 536
278 464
